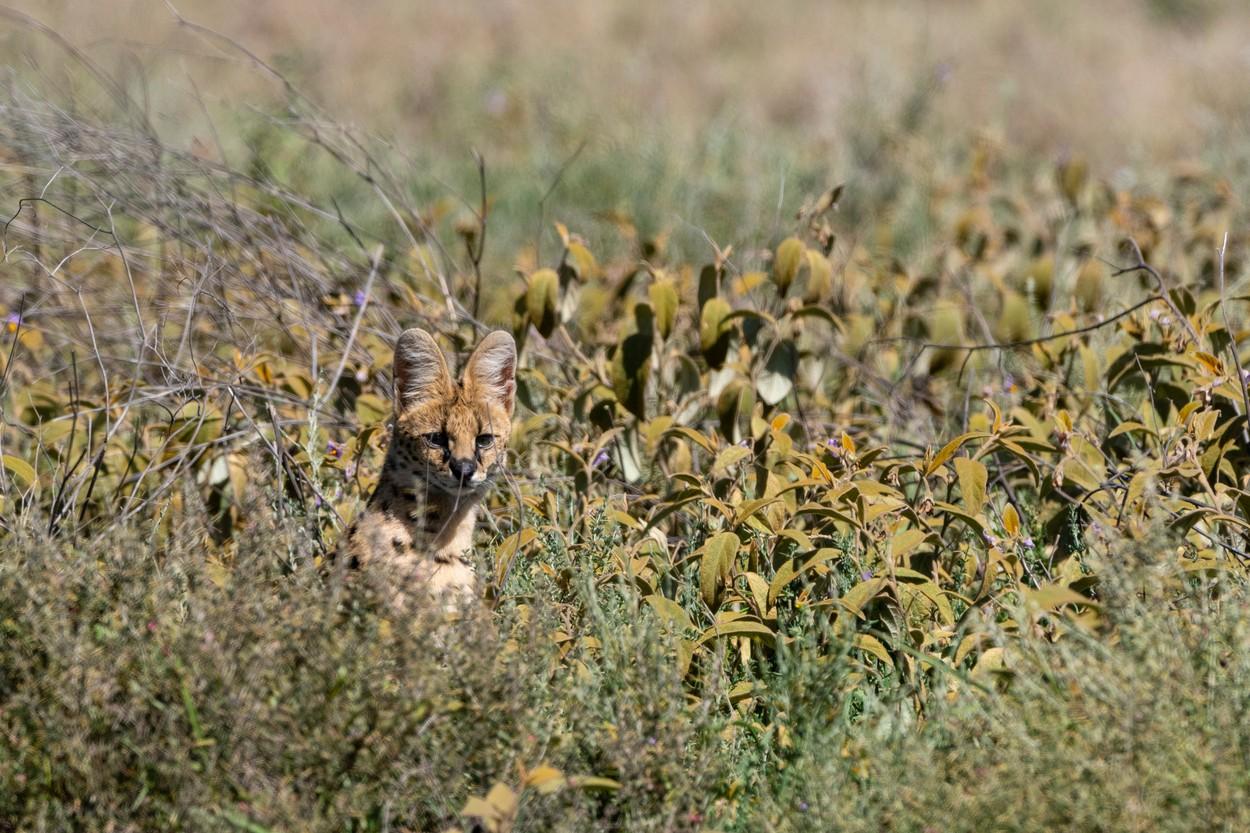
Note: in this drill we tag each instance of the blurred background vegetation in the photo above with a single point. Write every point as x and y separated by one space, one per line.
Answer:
882 458
699 118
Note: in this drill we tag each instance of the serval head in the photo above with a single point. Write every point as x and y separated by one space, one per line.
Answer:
452 435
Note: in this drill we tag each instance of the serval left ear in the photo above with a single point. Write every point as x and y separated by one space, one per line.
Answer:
420 370
491 370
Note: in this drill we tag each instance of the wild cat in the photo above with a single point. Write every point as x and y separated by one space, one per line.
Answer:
448 441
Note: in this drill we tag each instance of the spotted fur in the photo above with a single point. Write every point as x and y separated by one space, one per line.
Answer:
448 443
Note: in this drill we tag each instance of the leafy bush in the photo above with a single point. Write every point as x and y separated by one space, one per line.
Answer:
906 518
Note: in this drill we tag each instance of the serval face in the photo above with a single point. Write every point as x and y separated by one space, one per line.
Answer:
452 436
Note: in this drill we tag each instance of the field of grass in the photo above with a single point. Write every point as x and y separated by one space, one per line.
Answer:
882 456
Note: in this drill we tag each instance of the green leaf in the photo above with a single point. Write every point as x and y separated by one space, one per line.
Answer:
242 822
631 369
541 299
21 470
664 301
716 563
786 263
734 407
713 333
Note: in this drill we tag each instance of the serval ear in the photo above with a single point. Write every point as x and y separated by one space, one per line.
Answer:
420 370
491 371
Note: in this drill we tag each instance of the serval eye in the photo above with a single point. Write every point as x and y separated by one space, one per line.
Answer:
436 440
485 440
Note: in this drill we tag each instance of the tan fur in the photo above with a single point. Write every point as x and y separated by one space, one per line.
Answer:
419 522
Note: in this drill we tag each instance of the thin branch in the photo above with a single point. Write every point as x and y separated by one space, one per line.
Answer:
542 201
360 314
1240 381
1142 266
1028 342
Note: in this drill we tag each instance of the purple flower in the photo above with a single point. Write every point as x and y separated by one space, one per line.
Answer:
803 806
359 298
866 574
600 459
334 449
13 321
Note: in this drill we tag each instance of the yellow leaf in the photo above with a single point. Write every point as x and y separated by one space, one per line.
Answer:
728 458
371 409
972 481
1011 521
1211 363
991 660
858 597
507 551
503 799
594 782
669 611
820 276
871 645
903 543
664 301
21 470
786 263
712 322
741 627
1054 596
546 779
950 448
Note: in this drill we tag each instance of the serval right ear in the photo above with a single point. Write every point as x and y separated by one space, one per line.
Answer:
491 371
420 370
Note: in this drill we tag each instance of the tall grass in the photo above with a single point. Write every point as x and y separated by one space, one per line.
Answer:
144 686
